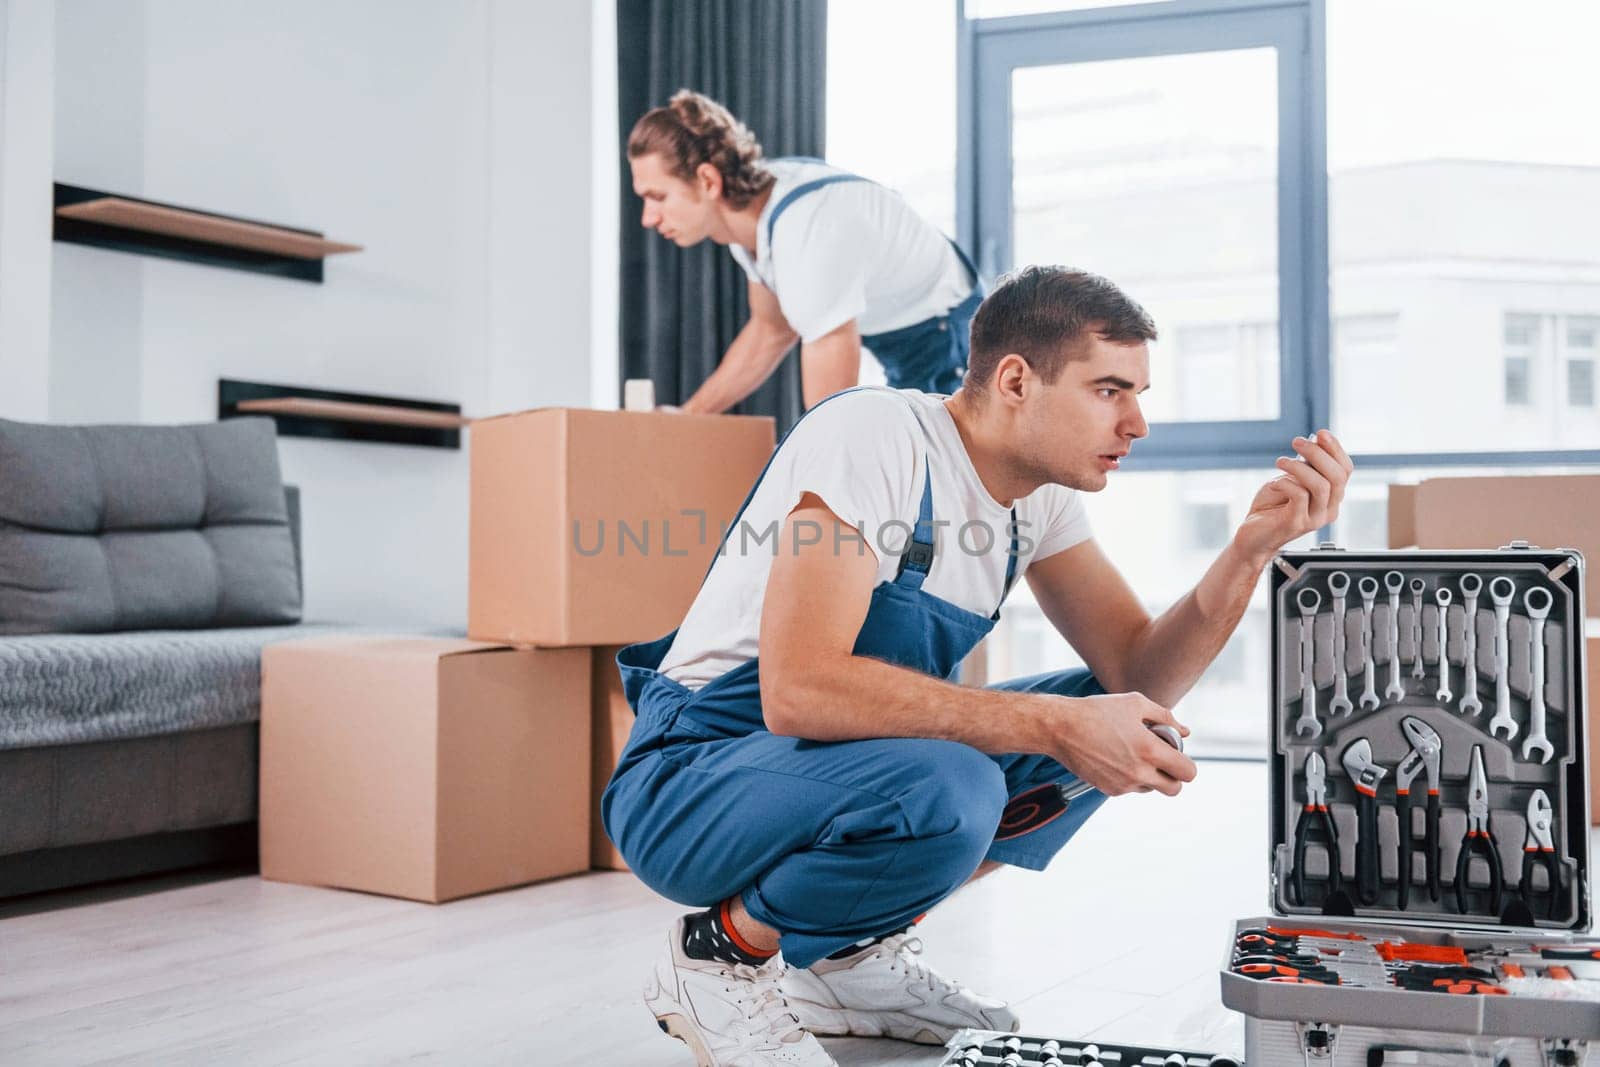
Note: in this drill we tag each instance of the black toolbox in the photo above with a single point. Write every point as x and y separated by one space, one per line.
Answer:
1429 829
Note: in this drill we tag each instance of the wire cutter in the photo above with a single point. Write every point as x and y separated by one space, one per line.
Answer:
1315 824
1425 749
1479 840
1540 850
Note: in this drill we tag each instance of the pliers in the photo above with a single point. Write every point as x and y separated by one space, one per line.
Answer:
1424 755
1479 840
1315 823
1540 850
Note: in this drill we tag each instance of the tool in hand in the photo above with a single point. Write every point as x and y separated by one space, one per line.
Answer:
1537 601
1315 824
1501 590
1393 582
1072 792
1307 724
1539 850
1368 587
1471 586
1339 587
1426 747
1418 586
1479 840
1365 776
1441 630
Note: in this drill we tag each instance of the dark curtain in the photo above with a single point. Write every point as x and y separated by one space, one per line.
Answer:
765 61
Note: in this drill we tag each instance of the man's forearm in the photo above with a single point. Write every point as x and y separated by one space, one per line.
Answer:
749 361
1175 649
855 697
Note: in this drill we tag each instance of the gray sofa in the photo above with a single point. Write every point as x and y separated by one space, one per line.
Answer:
142 570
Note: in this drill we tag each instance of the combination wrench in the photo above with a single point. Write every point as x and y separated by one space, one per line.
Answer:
1471 586
1441 629
1339 585
1537 601
1307 724
1394 581
1418 586
1501 590
1368 588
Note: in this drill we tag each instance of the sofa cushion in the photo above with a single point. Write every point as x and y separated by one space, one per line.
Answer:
61 689
143 527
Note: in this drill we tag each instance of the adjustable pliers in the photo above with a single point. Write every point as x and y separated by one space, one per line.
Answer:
1424 755
1540 850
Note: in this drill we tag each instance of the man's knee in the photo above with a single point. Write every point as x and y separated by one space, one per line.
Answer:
954 810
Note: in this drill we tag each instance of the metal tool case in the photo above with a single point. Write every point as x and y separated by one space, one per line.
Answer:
1429 829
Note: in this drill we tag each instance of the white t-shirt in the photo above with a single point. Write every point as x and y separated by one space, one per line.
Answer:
863 453
851 250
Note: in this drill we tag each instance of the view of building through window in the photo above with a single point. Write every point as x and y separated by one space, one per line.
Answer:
1462 236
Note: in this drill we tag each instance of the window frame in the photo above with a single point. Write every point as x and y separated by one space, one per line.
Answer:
988 49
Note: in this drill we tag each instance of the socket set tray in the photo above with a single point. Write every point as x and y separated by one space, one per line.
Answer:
1429 796
993 1048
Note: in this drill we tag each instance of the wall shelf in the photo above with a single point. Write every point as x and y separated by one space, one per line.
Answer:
346 411
127 224
301 412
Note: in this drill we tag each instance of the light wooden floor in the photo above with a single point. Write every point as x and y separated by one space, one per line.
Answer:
1121 939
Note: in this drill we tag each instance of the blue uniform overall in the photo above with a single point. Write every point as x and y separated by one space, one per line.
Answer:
930 355
831 842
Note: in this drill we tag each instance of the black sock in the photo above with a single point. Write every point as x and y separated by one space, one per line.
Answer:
709 935
852 949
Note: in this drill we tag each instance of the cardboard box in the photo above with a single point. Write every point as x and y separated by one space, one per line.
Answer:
423 768
1548 510
611 719
596 527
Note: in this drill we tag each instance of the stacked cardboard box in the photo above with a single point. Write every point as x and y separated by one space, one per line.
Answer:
1549 511
435 769
594 529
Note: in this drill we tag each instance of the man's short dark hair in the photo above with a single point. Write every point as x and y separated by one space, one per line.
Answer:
1045 315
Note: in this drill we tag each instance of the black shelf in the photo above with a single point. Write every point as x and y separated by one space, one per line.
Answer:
230 394
148 227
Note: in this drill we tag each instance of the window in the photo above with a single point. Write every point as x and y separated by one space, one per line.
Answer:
1521 334
1484 292
1517 373
1580 383
1366 349
1227 372
1583 346
1208 527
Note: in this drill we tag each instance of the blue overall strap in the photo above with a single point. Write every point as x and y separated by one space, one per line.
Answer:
966 261
1011 567
801 190
918 556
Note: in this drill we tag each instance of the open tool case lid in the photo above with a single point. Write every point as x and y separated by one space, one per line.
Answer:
1383 726
1386 666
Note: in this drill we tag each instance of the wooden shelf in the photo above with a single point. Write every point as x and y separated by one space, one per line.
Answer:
128 224
346 411
175 222
331 416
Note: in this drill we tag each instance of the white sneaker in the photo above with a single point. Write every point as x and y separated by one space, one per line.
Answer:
729 1014
885 990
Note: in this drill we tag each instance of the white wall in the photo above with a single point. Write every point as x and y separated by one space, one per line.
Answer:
454 140
27 51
